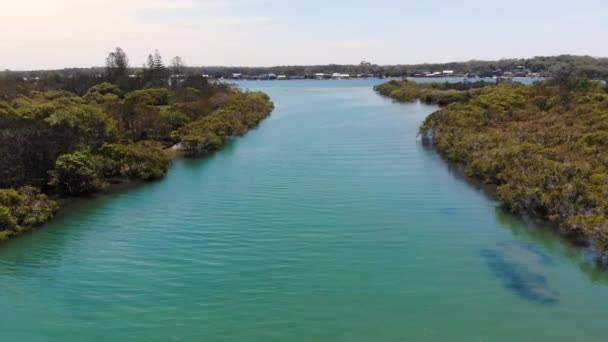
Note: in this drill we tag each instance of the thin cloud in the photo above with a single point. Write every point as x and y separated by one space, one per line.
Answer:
236 21
352 44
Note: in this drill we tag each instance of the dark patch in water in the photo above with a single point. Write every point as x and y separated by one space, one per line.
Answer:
531 249
448 211
542 257
517 278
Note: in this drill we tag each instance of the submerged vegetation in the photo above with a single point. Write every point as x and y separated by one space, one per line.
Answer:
54 142
544 146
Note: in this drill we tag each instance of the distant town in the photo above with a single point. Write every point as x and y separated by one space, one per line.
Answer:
519 71
504 69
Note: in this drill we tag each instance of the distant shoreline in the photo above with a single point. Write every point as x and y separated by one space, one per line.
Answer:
478 79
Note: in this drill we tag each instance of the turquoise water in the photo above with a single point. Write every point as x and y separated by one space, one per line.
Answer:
330 222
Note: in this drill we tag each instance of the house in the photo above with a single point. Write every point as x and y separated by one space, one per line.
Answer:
237 76
281 77
319 75
339 76
448 73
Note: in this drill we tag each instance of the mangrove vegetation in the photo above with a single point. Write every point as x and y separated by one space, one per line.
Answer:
69 137
544 146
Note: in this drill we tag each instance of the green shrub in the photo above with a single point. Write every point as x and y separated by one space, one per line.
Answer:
75 174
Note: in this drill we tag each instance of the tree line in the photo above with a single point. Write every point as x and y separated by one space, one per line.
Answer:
56 143
584 66
544 146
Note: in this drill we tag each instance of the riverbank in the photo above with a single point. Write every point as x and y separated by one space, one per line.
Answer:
529 141
490 190
93 162
331 198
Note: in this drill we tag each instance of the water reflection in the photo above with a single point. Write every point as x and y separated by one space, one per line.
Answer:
541 235
517 275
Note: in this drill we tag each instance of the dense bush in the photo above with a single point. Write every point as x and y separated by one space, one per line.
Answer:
141 160
75 174
243 112
545 147
69 145
22 209
431 93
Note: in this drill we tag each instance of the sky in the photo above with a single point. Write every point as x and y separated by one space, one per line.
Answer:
53 34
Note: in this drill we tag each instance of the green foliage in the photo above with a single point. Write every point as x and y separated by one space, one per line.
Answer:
72 146
150 97
139 114
117 64
59 94
544 146
33 136
174 119
243 112
21 102
75 174
22 209
155 72
431 93
141 160
83 124
102 93
7 221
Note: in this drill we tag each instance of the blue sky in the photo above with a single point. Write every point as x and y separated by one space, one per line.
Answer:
64 33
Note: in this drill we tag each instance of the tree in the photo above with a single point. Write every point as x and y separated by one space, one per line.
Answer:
177 65
150 62
158 61
142 160
117 65
155 71
7 221
75 174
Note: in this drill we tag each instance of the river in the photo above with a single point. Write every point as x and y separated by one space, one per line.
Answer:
329 222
